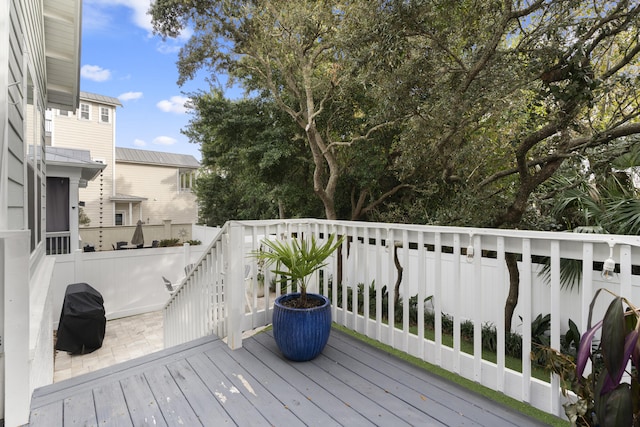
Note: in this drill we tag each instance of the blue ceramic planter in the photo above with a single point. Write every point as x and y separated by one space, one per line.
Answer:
301 334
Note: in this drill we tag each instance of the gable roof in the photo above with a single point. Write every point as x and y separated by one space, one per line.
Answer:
130 155
100 99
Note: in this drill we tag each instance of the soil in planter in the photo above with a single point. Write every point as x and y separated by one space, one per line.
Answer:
297 303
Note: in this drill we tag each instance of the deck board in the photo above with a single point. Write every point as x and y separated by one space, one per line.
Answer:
205 383
111 408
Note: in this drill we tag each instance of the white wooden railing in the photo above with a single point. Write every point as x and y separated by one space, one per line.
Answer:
220 295
26 331
58 243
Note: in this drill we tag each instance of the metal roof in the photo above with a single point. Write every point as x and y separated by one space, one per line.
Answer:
70 157
119 197
100 99
62 26
130 155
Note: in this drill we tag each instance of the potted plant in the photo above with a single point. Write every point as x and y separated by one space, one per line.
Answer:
606 396
301 320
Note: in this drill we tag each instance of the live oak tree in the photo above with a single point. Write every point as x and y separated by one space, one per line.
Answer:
294 51
482 102
503 93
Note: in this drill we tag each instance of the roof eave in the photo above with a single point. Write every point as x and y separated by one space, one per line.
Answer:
62 28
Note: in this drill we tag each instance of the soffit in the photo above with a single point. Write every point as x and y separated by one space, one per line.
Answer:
62 32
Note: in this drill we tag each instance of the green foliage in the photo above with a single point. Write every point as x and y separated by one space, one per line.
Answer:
255 165
603 399
296 259
169 242
83 218
194 242
431 112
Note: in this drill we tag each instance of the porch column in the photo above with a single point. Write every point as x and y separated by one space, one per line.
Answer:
74 184
234 286
130 213
14 256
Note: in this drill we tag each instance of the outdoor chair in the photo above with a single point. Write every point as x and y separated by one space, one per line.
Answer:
170 286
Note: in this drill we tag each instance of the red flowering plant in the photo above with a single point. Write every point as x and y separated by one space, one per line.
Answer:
613 402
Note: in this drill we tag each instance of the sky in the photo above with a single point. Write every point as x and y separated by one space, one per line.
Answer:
121 58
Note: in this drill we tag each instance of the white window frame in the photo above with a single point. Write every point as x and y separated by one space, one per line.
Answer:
124 218
186 180
81 113
108 113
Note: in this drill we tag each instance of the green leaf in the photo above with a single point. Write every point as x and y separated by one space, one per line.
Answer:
617 408
613 338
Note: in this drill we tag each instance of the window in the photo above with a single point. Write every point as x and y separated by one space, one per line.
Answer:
187 180
85 110
119 218
105 115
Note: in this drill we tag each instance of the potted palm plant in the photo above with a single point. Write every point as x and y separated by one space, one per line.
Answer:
301 320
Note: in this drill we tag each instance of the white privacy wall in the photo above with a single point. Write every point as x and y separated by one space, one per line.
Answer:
493 290
130 281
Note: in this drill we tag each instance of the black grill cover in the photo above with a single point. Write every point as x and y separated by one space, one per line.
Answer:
82 320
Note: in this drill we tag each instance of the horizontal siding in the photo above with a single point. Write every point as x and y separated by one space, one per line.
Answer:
15 131
70 132
15 195
15 166
97 201
160 186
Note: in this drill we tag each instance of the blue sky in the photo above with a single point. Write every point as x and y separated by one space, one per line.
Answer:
122 59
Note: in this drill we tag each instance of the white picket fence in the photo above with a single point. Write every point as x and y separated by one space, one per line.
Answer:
221 294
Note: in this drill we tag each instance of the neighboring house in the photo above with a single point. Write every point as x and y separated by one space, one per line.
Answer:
135 184
68 170
92 126
39 69
154 187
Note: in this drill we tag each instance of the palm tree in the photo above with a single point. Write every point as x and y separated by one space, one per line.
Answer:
608 203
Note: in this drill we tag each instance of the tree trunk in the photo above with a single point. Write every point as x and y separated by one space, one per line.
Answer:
400 269
514 289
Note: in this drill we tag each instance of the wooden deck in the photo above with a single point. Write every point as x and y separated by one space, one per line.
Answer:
205 383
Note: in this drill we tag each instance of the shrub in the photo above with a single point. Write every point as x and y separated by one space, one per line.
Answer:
169 242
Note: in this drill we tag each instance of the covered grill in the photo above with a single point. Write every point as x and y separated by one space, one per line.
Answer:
82 320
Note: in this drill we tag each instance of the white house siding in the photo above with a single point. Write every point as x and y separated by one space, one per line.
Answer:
72 132
159 184
24 355
12 172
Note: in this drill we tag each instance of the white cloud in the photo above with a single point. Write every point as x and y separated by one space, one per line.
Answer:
95 73
139 9
167 48
129 96
176 104
139 143
98 17
164 140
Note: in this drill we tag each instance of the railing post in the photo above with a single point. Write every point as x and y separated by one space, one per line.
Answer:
187 255
14 259
77 265
234 286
